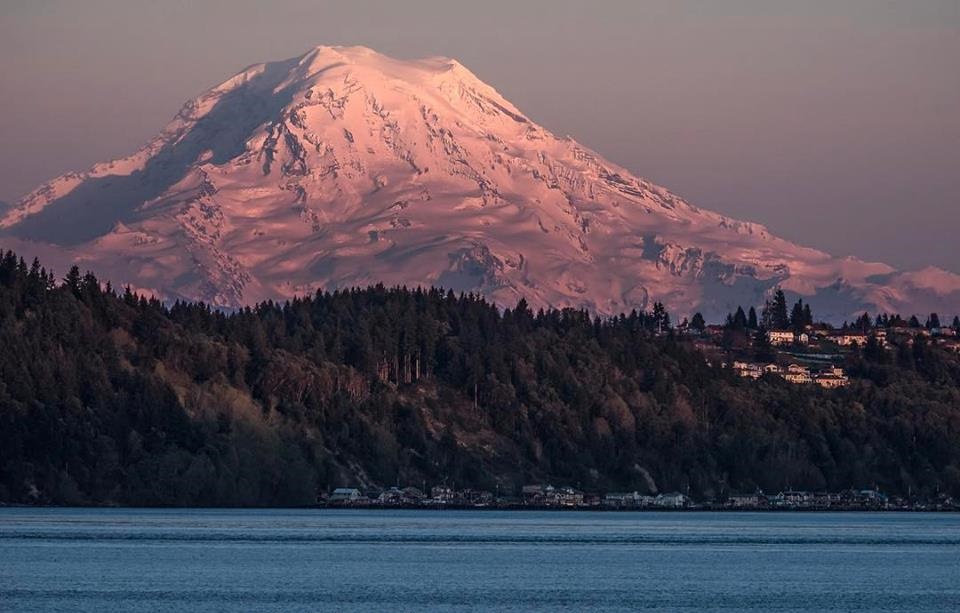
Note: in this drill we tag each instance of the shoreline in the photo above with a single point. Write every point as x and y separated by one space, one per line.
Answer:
511 508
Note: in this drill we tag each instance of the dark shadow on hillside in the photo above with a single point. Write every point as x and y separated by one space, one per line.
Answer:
95 206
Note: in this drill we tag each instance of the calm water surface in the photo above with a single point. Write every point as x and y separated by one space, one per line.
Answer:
81 560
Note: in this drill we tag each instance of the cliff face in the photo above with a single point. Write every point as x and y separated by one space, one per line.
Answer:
344 167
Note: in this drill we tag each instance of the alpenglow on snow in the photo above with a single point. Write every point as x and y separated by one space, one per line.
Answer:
344 167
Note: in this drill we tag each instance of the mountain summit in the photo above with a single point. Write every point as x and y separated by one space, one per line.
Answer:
344 167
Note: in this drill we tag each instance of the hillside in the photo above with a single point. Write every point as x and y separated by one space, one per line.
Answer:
111 398
344 168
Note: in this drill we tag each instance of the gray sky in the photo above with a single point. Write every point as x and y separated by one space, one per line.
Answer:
835 122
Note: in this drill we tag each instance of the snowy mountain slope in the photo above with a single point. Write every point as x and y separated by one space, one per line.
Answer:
344 167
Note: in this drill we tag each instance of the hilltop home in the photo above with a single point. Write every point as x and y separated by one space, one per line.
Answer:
846 339
781 337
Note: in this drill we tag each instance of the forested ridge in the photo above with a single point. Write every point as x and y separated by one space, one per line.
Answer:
107 397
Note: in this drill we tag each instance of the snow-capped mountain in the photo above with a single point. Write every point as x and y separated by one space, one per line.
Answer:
344 167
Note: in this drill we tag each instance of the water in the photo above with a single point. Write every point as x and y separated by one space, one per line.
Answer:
81 560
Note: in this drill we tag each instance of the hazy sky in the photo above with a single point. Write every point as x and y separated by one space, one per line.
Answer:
836 123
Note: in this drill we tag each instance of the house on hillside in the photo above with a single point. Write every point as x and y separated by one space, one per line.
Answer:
831 377
848 339
781 337
746 369
831 381
795 373
951 345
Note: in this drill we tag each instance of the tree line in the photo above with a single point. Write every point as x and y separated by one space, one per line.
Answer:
109 397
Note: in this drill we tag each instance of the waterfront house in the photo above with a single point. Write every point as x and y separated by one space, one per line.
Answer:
568 497
533 494
346 495
745 501
621 500
793 499
673 500
628 500
441 494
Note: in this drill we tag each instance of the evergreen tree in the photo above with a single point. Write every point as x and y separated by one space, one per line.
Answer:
933 321
775 314
752 319
698 323
740 319
798 320
72 281
762 347
661 320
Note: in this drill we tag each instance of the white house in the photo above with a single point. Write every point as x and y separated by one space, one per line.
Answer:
673 500
345 495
